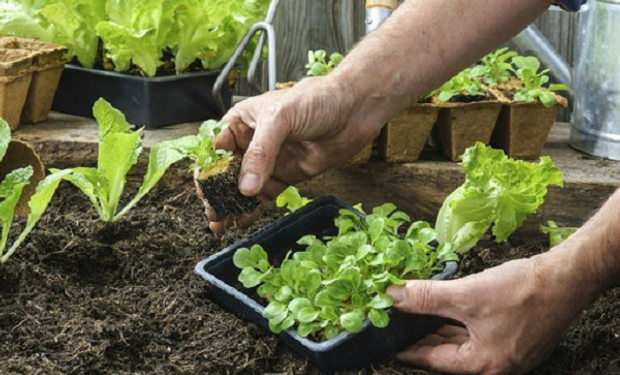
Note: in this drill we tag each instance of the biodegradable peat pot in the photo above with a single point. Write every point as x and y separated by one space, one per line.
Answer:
403 139
344 352
461 125
152 102
15 79
523 128
220 185
21 155
49 64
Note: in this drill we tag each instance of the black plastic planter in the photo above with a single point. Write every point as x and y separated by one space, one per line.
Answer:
151 102
344 352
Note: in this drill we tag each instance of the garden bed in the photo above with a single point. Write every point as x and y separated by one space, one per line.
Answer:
85 298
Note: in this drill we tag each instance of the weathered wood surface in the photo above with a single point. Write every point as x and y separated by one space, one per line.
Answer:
418 188
337 25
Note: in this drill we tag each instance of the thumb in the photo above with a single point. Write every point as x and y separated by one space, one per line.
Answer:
260 157
439 298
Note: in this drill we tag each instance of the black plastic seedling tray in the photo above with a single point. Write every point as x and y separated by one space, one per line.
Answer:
151 102
344 352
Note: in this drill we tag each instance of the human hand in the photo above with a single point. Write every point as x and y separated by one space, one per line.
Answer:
289 136
514 316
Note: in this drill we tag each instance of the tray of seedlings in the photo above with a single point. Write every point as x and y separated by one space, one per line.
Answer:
317 277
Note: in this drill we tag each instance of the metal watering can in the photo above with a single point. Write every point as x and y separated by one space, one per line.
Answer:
595 82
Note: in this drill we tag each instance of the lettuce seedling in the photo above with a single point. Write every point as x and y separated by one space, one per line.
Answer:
557 235
318 65
466 83
11 189
291 200
217 173
498 191
533 80
337 283
497 67
119 149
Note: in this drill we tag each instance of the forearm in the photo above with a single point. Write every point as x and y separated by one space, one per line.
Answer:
596 248
423 44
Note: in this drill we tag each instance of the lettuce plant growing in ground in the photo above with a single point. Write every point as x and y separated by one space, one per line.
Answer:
337 283
319 66
498 192
291 200
557 234
119 149
11 190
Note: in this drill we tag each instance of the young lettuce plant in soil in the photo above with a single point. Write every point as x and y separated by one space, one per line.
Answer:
465 87
11 189
557 234
217 173
319 66
498 192
498 69
533 81
336 283
119 149
291 200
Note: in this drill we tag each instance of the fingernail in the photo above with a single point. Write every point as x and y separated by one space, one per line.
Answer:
397 293
250 183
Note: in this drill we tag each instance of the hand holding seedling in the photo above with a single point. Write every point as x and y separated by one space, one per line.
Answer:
289 136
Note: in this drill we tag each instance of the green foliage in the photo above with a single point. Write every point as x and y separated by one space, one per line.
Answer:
119 149
38 204
498 191
497 67
467 83
137 32
557 235
527 71
202 150
11 189
291 200
339 282
319 66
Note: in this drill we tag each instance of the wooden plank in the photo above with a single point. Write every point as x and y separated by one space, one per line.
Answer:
418 188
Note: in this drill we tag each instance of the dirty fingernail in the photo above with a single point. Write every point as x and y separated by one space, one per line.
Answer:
397 293
250 183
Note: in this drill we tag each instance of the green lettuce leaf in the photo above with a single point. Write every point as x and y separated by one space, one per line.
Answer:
21 18
162 156
498 192
11 190
73 25
138 32
38 204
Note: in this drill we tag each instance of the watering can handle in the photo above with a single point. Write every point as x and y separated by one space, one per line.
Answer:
267 34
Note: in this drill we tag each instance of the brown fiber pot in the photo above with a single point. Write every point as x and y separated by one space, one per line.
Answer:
49 63
21 155
461 125
403 139
15 79
523 128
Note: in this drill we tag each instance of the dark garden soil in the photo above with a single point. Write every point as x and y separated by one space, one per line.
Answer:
85 298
